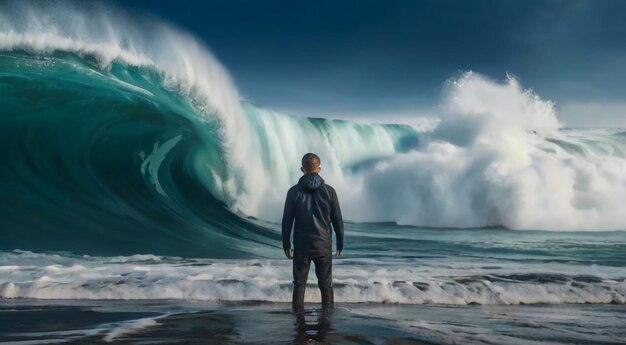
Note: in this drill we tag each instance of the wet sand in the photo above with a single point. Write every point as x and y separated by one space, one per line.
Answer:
149 322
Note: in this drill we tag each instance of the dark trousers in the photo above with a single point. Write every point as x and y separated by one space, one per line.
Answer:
323 270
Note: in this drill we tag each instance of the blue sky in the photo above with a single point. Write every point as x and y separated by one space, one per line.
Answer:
391 58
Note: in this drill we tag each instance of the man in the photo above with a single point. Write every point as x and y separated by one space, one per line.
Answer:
314 206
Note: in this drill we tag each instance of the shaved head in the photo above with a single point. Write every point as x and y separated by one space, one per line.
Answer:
310 162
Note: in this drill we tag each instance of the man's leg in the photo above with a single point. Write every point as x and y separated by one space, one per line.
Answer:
301 266
324 273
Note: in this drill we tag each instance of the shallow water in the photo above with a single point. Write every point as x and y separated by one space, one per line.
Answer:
393 285
38 322
381 263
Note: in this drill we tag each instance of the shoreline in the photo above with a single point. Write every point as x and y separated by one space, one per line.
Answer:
98 321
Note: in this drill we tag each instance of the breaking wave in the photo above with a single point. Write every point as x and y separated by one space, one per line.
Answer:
125 136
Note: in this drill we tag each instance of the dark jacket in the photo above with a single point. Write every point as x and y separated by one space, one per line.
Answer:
314 206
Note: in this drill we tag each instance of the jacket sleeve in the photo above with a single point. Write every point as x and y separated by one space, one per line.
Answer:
337 220
287 223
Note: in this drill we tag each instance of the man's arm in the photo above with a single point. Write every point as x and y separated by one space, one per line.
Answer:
287 224
337 221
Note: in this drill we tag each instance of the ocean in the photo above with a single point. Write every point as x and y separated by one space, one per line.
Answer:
140 200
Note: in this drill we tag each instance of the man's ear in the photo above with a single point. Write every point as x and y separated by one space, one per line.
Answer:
302 169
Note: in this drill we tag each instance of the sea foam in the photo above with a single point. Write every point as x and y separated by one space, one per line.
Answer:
135 278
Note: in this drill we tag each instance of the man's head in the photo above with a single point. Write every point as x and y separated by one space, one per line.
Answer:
310 163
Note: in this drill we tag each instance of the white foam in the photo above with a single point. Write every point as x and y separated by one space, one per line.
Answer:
152 162
497 157
439 282
494 160
129 327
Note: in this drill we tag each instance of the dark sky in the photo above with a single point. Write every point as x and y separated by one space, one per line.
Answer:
343 58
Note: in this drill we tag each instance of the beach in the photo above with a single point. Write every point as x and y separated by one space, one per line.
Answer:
196 322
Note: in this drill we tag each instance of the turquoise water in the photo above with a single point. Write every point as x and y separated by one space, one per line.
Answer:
97 160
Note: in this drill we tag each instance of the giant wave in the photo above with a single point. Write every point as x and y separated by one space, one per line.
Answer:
125 136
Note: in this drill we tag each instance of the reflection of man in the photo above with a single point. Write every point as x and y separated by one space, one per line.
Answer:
314 207
307 333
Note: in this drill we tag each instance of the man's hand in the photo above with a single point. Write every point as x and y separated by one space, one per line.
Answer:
288 254
338 252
